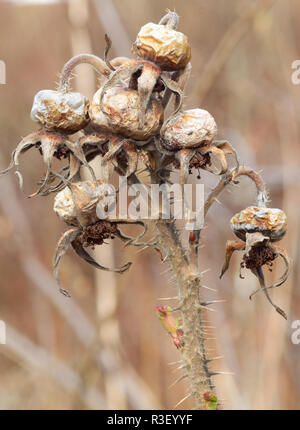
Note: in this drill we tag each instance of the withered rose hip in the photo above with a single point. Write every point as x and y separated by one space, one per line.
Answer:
268 221
120 113
189 129
166 47
65 112
70 204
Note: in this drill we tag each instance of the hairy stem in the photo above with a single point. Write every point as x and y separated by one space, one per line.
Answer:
230 177
170 20
97 63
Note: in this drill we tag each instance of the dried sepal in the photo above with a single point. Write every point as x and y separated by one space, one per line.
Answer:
260 276
77 150
72 237
220 149
76 205
82 253
49 144
283 278
132 158
61 248
145 84
185 157
231 246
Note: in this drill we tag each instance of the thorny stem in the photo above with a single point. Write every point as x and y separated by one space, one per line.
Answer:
97 63
188 280
262 195
229 178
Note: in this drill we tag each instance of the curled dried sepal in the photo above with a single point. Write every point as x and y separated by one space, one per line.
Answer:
259 251
61 248
287 262
220 149
260 276
57 111
72 237
271 222
171 324
200 158
165 46
115 145
51 145
70 172
120 113
79 249
231 246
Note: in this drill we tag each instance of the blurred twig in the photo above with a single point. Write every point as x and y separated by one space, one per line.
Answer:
27 353
113 26
226 45
289 150
106 288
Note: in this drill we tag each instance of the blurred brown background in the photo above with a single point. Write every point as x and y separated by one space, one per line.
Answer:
105 347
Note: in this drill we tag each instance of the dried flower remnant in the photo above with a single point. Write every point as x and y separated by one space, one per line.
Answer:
258 228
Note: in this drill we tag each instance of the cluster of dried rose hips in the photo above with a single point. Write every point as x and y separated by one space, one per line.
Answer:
124 125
